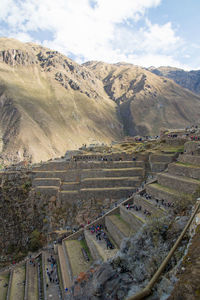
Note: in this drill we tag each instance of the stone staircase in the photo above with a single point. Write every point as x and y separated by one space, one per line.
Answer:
119 223
181 180
159 161
116 179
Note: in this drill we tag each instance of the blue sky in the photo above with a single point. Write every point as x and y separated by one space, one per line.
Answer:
142 32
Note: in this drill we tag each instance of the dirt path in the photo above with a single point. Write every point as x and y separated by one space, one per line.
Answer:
32 272
18 283
52 288
4 278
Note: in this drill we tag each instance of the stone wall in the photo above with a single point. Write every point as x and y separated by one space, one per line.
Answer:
161 194
107 164
124 172
49 174
114 231
181 170
165 158
134 221
52 166
111 157
146 204
70 186
109 182
46 182
192 148
91 246
178 184
175 141
49 191
109 193
158 166
190 159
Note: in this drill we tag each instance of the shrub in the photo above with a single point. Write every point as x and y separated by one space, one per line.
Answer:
35 240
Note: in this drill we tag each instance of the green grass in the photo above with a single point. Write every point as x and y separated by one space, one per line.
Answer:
187 164
171 191
174 149
85 247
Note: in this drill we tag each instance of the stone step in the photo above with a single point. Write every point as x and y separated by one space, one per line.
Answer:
181 184
121 172
96 193
110 182
4 280
160 192
46 182
158 166
161 157
49 174
52 166
134 219
31 290
190 159
108 164
67 186
118 228
149 205
63 268
77 261
108 192
184 169
98 248
68 196
17 288
47 190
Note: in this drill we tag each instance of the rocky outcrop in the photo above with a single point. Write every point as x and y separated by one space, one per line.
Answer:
9 120
135 263
18 213
187 79
145 101
56 104
14 57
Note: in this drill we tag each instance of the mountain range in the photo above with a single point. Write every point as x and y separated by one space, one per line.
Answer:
50 104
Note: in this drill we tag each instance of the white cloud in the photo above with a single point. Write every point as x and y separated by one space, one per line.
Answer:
105 30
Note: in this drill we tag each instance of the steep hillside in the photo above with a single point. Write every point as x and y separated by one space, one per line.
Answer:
187 79
146 101
49 104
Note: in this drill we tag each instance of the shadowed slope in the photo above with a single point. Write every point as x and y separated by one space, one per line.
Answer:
146 101
50 104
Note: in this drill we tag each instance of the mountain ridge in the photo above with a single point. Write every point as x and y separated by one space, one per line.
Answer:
50 104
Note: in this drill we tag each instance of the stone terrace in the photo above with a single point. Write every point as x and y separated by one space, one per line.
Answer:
72 180
117 179
119 223
181 180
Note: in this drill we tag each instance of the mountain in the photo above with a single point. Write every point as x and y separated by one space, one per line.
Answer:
146 102
187 79
50 104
